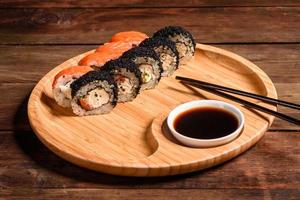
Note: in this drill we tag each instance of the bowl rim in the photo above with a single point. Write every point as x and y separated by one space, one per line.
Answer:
206 103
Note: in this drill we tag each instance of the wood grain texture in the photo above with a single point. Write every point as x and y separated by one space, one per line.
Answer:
133 135
141 3
22 66
28 64
158 194
27 166
26 163
94 26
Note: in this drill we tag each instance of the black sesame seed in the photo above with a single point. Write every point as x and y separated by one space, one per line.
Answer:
94 76
114 67
173 31
165 43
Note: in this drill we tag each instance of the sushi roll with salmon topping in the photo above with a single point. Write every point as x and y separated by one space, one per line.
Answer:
132 37
105 53
184 40
127 76
149 64
62 81
97 59
166 50
93 93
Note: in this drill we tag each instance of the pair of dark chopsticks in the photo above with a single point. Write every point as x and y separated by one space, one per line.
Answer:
216 89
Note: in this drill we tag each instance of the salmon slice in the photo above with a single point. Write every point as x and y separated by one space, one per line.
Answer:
105 53
74 70
98 59
120 43
84 104
133 37
114 47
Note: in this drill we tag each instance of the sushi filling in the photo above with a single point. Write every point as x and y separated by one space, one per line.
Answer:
147 72
124 84
94 99
93 93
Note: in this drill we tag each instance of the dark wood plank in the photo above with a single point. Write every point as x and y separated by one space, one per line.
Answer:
13 106
22 66
271 164
94 26
29 63
141 3
158 194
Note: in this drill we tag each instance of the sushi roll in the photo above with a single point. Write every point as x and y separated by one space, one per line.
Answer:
149 64
97 59
166 50
127 76
93 93
105 53
184 40
62 81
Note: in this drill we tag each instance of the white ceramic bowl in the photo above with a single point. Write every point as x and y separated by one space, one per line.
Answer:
192 142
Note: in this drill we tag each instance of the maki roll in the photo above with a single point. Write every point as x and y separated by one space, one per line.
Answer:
149 64
62 81
105 53
166 50
127 77
184 40
93 93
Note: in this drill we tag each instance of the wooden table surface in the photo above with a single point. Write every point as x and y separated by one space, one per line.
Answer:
37 35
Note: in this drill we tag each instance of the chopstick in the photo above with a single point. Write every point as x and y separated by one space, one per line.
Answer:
246 103
242 93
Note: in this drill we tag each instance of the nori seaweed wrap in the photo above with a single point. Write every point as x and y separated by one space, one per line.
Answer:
184 40
149 64
166 50
93 93
127 76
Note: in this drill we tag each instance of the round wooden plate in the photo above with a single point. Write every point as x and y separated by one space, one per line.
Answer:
133 140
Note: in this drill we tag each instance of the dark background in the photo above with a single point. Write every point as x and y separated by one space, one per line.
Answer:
36 36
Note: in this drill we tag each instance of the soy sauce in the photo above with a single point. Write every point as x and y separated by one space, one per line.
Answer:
206 123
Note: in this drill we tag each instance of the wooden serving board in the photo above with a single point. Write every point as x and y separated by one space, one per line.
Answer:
133 140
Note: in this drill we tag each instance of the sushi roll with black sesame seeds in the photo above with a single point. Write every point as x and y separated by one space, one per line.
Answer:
184 40
93 93
166 50
149 64
127 77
